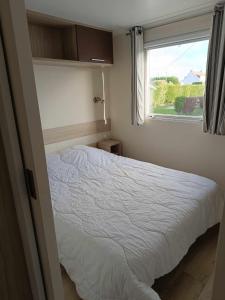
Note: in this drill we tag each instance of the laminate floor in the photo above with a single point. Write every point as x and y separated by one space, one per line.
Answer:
190 280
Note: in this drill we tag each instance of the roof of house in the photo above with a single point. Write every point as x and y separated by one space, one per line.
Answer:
198 74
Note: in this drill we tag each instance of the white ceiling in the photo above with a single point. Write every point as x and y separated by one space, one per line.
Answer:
121 14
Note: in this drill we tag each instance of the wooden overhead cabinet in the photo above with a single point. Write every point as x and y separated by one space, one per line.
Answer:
94 45
61 40
53 42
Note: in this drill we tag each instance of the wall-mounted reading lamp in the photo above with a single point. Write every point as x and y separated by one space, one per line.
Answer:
103 99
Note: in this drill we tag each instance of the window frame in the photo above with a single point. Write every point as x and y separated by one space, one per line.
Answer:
166 42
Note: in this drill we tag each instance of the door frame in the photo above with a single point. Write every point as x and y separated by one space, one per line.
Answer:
28 126
17 179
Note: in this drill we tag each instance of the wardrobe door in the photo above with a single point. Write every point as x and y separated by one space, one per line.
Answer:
94 45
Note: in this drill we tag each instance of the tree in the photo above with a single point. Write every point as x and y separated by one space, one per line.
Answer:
159 92
168 79
173 90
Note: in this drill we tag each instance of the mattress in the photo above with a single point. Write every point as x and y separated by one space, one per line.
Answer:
122 223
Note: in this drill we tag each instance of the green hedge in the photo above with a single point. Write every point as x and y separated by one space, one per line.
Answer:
166 93
179 104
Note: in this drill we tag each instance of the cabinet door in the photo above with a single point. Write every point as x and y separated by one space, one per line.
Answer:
94 45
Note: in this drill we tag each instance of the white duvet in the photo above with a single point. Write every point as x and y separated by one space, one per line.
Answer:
122 223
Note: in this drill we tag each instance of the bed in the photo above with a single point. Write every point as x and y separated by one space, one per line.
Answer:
121 223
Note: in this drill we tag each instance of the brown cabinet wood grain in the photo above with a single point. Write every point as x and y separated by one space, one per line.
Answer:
46 41
94 45
60 40
70 43
53 42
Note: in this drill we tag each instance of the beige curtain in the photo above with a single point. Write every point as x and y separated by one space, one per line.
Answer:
137 82
214 104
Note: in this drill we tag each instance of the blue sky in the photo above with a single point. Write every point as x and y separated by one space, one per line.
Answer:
178 60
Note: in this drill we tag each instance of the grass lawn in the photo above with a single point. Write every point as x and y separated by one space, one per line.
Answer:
169 110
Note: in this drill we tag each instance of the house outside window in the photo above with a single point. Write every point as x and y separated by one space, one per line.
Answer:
194 77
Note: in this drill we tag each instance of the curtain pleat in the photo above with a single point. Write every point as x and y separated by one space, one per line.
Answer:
137 81
214 104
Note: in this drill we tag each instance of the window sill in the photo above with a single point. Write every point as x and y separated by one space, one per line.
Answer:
172 118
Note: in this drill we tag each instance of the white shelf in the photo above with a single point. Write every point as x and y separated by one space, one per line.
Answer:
64 62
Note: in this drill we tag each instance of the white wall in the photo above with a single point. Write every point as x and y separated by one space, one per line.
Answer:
65 97
178 145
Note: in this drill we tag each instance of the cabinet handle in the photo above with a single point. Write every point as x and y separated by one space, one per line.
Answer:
97 59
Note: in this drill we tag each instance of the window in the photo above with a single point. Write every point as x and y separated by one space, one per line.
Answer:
176 79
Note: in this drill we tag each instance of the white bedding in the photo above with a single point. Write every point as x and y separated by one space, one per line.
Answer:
122 223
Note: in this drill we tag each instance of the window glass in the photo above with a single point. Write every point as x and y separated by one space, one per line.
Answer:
176 79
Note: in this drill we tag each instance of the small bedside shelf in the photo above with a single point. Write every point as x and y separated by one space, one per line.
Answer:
112 146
